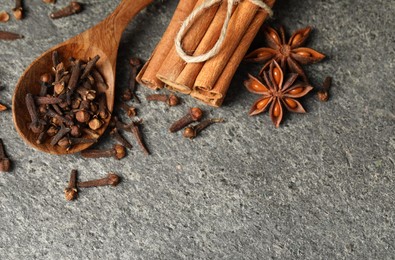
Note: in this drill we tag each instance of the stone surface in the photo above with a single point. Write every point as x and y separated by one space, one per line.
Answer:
319 187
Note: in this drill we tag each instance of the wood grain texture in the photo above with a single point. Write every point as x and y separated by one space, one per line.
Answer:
103 40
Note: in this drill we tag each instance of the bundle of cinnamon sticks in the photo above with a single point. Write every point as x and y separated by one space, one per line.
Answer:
206 81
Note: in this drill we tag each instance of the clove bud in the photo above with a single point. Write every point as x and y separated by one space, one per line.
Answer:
192 131
323 94
71 191
194 114
72 8
111 179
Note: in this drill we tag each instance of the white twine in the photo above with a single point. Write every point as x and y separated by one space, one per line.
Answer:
217 47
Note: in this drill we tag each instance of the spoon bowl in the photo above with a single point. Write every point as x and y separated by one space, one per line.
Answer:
102 40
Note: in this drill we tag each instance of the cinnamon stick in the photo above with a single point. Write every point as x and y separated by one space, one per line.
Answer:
216 96
147 75
187 76
174 64
238 25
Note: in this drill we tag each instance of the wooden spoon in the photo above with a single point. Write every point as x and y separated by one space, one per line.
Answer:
103 40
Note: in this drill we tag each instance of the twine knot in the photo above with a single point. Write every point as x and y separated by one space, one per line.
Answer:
217 47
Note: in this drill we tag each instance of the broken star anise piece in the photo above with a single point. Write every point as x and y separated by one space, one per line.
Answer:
277 93
289 55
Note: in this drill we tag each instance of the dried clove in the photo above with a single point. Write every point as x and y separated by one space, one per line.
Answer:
89 66
43 135
112 179
18 10
86 94
48 100
45 83
83 115
118 152
5 163
194 114
98 78
192 131
37 125
129 110
71 191
73 8
323 93
117 136
75 74
95 123
55 59
9 36
137 134
90 133
51 113
102 109
68 142
60 134
130 93
116 122
171 100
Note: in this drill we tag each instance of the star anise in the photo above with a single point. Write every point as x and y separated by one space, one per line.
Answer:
277 93
289 55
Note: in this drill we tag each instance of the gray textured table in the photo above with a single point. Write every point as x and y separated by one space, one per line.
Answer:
319 187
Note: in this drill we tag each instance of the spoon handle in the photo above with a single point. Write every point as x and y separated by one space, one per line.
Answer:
122 15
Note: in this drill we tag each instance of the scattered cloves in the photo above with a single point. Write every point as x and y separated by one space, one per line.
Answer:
73 8
139 137
112 179
323 94
18 10
71 191
117 136
9 36
5 163
194 114
171 100
192 131
135 64
68 142
129 110
118 152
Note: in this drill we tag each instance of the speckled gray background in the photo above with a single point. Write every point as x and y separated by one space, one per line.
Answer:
319 187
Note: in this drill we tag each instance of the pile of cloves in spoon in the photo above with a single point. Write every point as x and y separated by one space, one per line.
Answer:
71 105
